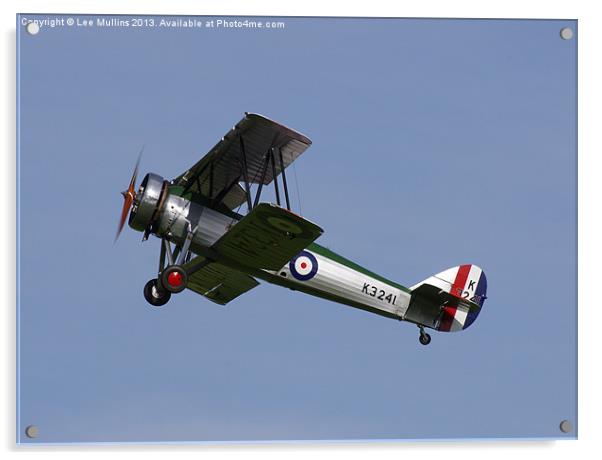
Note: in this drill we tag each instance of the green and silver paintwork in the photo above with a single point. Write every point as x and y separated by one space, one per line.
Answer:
337 278
343 281
195 213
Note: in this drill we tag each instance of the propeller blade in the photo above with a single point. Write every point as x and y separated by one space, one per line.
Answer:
135 174
129 196
127 203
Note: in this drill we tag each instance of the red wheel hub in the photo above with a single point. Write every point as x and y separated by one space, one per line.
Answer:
175 279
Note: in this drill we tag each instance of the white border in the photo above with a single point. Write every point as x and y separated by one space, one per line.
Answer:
590 38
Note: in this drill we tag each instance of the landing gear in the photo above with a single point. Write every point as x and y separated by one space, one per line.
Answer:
424 338
155 294
174 279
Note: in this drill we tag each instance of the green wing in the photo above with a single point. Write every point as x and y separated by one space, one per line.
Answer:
218 283
266 238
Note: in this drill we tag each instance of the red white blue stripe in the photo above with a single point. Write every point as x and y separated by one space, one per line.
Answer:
468 283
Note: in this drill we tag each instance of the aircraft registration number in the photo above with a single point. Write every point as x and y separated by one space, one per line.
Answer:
380 294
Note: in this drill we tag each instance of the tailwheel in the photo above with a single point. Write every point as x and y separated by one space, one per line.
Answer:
424 338
174 278
155 295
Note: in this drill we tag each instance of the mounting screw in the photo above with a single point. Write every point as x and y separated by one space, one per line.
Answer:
32 28
566 426
32 431
566 33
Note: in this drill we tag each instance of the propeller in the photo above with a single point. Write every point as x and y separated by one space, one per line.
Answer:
129 196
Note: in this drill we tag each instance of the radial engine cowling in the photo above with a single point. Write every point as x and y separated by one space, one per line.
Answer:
148 200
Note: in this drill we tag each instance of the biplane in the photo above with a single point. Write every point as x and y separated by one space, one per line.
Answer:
211 249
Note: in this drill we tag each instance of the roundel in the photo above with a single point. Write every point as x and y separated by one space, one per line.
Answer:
303 266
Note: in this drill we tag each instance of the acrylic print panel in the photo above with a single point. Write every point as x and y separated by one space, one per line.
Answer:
435 143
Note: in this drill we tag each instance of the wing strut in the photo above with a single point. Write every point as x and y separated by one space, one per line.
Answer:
224 192
196 177
264 169
245 172
288 203
227 173
275 176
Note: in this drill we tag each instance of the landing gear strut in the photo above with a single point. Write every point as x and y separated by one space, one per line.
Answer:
172 278
424 338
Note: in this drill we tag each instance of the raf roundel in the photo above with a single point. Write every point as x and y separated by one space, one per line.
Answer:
304 266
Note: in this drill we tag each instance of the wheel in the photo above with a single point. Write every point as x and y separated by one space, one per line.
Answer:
174 279
425 339
154 295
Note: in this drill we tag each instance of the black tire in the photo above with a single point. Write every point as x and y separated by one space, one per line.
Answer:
154 295
425 339
165 281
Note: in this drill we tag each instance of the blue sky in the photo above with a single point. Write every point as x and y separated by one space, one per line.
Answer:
435 143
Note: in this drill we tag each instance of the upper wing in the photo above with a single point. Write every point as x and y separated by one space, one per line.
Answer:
266 238
217 282
217 175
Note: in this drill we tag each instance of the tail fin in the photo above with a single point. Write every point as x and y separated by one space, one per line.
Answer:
449 301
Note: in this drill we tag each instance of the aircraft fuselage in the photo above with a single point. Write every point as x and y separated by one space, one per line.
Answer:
316 271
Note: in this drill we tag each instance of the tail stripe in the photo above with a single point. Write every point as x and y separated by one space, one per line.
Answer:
447 319
481 289
449 313
480 294
460 282
459 319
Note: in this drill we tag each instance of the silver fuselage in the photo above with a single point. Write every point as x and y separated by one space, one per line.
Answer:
336 278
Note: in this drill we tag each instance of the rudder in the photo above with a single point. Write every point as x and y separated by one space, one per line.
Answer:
449 301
